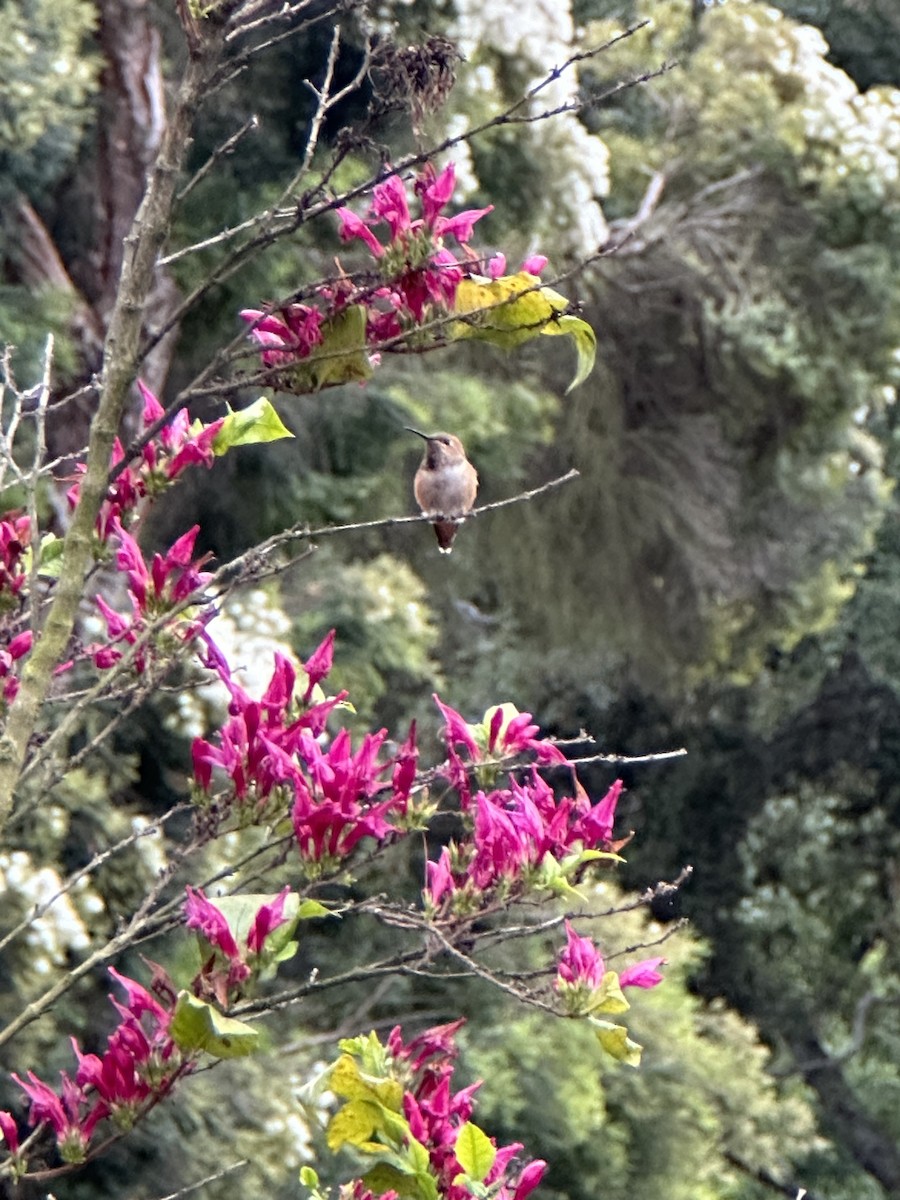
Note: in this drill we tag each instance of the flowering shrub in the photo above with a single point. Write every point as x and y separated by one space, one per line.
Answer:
140 1065
284 762
400 1113
420 284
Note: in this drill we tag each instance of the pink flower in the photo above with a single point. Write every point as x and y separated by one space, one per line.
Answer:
353 226
642 974
436 1114
596 825
580 964
73 1126
438 879
435 191
319 664
268 918
461 226
336 810
16 649
389 205
456 730
529 1179
509 734
202 915
535 264
10 1132
288 337
139 1001
15 537
497 266
405 767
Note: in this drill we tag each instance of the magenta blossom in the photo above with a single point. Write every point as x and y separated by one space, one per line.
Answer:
139 1065
72 1115
17 648
642 974
267 919
178 445
502 733
421 270
580 964
170 579
15 537
436 1114
515 834
181 444
286 337
319 664
233 962
201 914
10 1132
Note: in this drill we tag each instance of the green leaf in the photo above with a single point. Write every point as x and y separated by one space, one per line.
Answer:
513 309
586 856
312 908
287 951
615 1041
418 1156
474 1151
259 422
51 557
308 1177
385 1177
197 1025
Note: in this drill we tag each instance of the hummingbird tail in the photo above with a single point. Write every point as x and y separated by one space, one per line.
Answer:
445 531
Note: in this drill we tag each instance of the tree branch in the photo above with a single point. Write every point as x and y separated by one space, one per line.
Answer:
119 365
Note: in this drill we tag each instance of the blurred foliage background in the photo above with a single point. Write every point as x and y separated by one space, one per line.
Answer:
725 575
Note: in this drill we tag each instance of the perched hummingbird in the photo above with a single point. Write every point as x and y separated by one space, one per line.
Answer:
445 484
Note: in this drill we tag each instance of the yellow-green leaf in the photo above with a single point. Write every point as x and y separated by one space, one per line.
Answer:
615 1041
197 1025
50 560
608 997
515 308
259 422
474 1151
348 1081
585 344
354 1124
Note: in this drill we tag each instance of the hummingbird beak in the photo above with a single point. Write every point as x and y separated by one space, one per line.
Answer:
417 432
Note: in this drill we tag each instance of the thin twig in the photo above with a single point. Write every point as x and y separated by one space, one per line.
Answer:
40 910
630 760
220 152
40 449
193 1187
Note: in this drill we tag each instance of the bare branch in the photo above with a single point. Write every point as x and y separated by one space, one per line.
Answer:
193 1187
220 152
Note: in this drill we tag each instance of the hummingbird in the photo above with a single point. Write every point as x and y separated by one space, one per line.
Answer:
445 484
